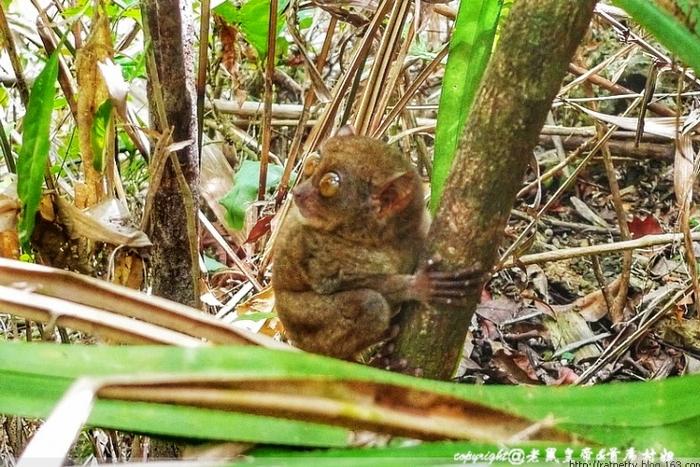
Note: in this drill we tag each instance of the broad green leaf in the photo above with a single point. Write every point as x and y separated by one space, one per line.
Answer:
34 152
228 11
60 102
306 19
470 49
252 19
245 190
670 32
132 66
99 134
213 265
78 10
659 414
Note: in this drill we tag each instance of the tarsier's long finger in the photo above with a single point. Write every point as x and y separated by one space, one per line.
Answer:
456 275
434 293
458 283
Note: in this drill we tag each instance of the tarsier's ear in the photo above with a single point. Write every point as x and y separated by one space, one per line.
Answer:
346 130
395 194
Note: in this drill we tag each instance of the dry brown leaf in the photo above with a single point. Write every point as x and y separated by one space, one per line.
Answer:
499 310
104 300
593 306
683 165
9 211
505 362
684 333
129 271
261 302
92 92
568 329
103 222
566 376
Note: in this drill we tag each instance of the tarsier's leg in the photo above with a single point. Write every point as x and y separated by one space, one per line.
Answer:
340 324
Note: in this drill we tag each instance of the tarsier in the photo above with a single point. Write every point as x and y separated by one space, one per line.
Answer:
346 254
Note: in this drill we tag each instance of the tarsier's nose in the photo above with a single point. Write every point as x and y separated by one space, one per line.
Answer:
301 192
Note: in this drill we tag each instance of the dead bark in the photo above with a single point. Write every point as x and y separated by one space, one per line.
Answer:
523 76
173 225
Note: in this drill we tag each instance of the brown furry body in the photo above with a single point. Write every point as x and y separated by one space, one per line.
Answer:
343 264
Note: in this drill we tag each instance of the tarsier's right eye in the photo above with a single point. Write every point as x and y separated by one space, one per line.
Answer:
310 166
329 184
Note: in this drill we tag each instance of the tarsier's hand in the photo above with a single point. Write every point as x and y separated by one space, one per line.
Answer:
446 287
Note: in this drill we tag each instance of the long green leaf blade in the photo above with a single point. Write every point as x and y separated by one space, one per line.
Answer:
470 49
35 396
658 415
34 152
99 134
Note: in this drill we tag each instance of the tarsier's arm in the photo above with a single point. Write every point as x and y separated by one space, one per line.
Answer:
426 285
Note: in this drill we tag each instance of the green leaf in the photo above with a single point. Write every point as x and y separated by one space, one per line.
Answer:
32 395
34 152
305 19
670 32
658 414
132 66
245 190
256 316
252 19
213 265
80 9
99 134
228 11
470 49
60 102
4 97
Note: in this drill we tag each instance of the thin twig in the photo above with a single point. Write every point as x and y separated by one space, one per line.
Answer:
655 107
330 111
376 81
267 110
202 70
227 248
616 312
615 247
14 58
410 92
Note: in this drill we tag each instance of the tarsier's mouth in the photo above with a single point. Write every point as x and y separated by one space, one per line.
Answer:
308 213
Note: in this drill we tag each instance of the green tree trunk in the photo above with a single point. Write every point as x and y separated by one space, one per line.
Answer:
522 78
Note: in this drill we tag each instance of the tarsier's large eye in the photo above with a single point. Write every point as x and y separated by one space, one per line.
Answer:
310 165
329 184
